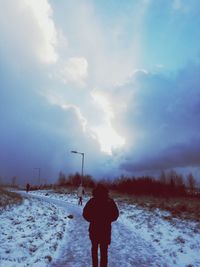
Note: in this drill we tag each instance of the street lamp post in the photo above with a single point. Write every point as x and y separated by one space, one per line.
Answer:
82 154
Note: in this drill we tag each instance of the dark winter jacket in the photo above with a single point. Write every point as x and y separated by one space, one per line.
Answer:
100 212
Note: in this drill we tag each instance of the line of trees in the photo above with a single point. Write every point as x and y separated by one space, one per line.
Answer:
168 184
75 180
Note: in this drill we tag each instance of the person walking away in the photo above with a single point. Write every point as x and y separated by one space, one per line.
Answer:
27 187
100 211
80 194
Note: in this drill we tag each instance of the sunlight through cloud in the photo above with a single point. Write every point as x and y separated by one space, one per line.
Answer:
105 133
108 138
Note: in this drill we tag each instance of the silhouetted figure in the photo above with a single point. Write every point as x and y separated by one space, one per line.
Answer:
80 194
100 211
27 187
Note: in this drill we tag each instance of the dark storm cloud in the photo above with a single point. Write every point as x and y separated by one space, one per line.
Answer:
179 155
33 133
165 113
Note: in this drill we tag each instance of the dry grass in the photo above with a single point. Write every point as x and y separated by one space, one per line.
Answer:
182 207
8 198
65 190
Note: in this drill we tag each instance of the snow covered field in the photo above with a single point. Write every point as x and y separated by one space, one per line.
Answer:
31 233
177 241
39 233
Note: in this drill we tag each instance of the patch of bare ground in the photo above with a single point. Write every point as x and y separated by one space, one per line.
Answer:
186 208
8 198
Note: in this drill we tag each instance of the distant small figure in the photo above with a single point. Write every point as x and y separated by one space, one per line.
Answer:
27 188
100 211
80 194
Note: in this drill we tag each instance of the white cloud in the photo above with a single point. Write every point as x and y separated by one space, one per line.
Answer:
28 31
108 138
105 133
42 14
55 99
75 71
102 130
109 62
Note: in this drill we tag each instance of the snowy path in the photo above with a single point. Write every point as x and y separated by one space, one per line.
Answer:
127 249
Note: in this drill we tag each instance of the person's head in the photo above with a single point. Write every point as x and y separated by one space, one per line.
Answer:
100 191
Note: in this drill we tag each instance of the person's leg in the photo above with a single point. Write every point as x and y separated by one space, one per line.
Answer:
94 254
104 255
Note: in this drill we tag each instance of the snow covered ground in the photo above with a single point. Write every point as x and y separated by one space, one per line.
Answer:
177 241
31 233
39 233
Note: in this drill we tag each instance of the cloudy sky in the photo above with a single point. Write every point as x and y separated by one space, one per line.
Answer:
117 80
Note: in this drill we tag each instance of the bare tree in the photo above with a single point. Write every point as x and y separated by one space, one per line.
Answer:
61 179
14 181
191 182
163 177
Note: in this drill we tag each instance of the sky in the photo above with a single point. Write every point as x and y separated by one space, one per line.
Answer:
116 80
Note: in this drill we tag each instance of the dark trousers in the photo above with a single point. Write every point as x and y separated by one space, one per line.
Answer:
103 254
